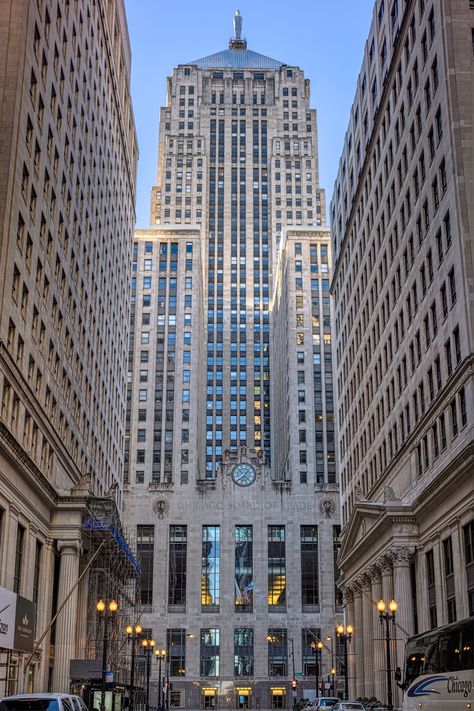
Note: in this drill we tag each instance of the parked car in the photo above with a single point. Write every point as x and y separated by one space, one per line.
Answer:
42 702
348 706
326 702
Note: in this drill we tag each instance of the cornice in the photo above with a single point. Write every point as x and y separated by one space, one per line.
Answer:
26 465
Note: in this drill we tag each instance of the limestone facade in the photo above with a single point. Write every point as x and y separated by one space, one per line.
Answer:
67 187
222 385
402 218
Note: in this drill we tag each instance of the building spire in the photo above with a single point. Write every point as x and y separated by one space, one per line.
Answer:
237 42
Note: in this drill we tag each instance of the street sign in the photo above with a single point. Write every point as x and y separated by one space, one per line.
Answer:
298 674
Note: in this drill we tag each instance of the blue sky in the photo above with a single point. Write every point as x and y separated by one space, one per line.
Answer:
325 38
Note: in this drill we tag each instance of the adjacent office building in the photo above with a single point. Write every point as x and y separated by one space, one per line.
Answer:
402 219
230 454
67 187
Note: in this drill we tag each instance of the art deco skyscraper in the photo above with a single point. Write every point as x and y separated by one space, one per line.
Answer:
67 186
403 219
230 446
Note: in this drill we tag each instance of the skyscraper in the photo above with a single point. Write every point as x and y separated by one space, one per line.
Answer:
230 444
402 220
67 187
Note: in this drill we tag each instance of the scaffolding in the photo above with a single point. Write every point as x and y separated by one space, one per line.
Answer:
114 574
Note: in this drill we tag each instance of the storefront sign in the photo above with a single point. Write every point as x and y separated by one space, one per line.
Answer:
7 618
25 617
17 621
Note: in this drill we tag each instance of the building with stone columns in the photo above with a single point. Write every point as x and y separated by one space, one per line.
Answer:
402 219
232 487
67 186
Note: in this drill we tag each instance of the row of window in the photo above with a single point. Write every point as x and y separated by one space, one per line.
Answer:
243 583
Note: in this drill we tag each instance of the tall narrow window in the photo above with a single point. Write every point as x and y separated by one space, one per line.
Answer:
244 568
37 570
336 543
277 652
449 578
20 540
309 566
468 530
176 651
431 584
276 566
309 635
210 573
177 566
145 546
210 649
243 651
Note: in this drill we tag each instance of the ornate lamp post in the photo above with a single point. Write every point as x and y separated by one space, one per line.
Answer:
345 636
148 646
160 654
333 671
133 635
105 612
387 617
316 648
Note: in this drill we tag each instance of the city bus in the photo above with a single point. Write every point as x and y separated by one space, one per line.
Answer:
439 671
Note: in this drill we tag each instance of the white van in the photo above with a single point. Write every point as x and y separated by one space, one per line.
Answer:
42 702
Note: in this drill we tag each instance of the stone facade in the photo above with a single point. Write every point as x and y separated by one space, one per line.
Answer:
232 490
67 186
402 219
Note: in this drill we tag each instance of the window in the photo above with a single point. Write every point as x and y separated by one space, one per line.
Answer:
277 652
210 647
431 587
145 547
210 573
276 566
19 550
243 651
176 651
243 597
309 565
177 566
449 579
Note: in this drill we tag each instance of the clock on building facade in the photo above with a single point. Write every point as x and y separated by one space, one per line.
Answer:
243 474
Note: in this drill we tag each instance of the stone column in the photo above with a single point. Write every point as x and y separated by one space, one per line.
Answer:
358 641
82 609
43 617
380 681
65 644
368 638
404 616
350 620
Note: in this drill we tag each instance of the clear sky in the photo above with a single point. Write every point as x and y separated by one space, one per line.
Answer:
325 38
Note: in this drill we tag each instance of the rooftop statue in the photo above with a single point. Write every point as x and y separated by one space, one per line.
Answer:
238 25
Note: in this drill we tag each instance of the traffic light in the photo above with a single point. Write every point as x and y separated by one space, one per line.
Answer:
294 683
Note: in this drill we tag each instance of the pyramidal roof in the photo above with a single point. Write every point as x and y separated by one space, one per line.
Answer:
237 56
237 59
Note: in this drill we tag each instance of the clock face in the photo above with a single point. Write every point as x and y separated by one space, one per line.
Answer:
243 474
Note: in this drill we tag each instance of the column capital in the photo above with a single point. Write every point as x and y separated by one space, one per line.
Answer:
69 547
402 556
384 563
373 573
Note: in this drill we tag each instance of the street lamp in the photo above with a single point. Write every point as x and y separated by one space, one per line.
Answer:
316 648
105 612
133 635
387 617
345 637
160 654
333 671
148 646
